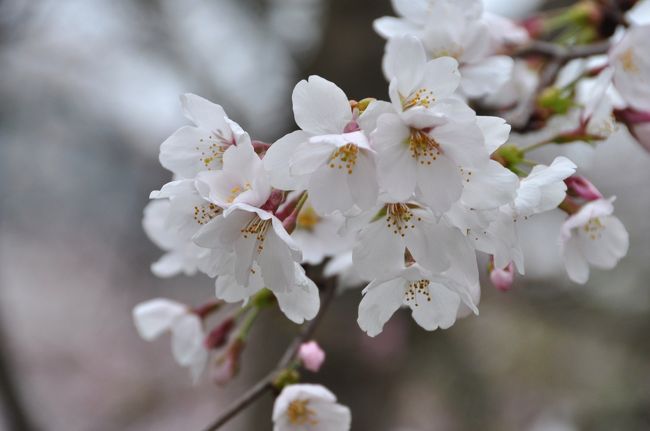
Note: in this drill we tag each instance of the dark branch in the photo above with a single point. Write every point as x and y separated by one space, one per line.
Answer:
266 384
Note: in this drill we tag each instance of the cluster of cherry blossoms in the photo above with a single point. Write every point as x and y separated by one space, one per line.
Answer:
396 196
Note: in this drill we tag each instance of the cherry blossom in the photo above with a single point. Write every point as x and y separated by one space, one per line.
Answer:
592 236
192 149
308 407
434 300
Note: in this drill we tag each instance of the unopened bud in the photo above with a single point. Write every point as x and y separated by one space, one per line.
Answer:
311 356
227 365
581 187
502 279
219 336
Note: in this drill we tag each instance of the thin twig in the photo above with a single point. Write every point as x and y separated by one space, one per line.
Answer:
266 384
561 52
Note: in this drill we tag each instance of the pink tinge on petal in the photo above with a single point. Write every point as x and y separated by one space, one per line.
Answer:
581 187
502 279
311 356
352 126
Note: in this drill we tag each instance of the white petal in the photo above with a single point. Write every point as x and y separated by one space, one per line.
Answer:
489 187
414 10
424 242
379 251
204 113
487 76
187 339
363 181
276 263
331 416
276 162
368 119
320 107
179 152
610 246
462 142
576 265
441 77
329 190
379 302
405 62
169 265
227 288
436 311
439 184
152 318
309 156
222 231
389 27
302 302
495 131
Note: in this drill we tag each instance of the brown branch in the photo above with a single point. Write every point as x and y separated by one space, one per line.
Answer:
266 384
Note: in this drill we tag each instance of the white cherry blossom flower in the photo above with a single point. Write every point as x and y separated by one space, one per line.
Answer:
463 33
330 156
241 180
181 254
592 236
157 316
392 230
433 300
306 407
257 237
192 149
630 59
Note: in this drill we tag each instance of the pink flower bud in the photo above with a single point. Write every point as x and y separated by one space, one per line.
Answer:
311 356
582 188
502 278
219 336
227 365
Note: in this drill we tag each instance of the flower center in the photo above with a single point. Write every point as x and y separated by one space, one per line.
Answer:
204 213
398 218
423 148
627 60
257 229
594 228
213 148
237 190
307 219
417 287
344 156
422 97
300 414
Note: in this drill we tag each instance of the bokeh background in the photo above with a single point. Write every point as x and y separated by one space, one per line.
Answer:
89 89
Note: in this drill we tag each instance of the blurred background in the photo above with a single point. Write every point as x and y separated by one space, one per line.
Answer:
89 89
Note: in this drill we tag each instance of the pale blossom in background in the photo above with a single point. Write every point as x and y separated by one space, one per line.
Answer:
307 407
